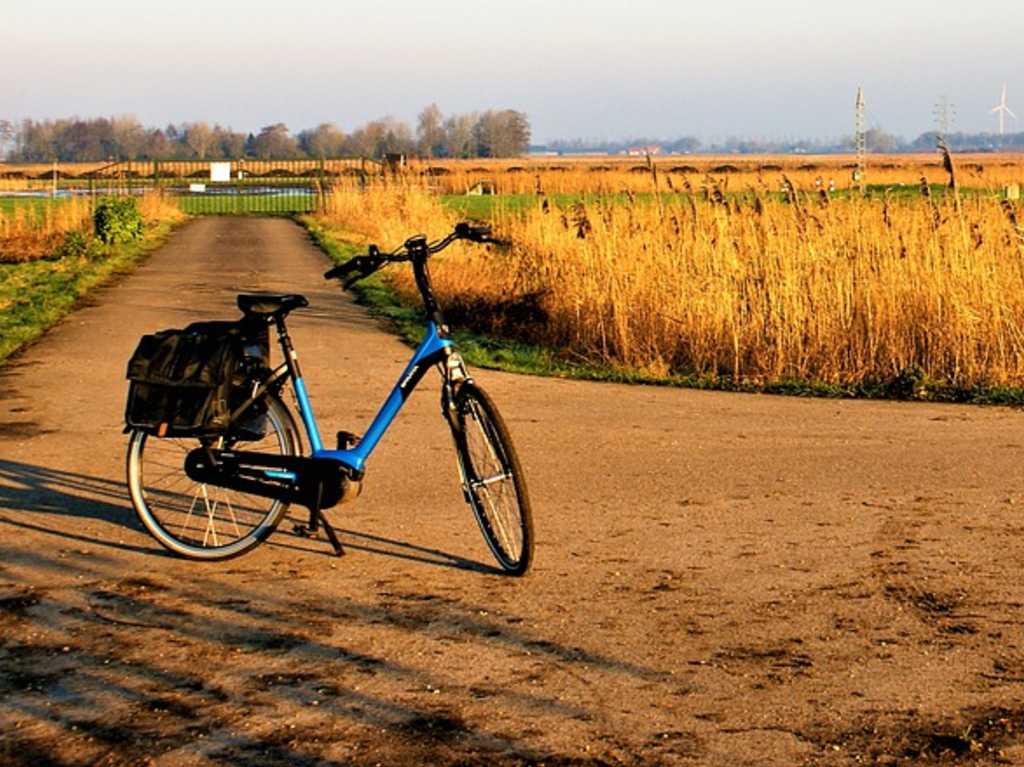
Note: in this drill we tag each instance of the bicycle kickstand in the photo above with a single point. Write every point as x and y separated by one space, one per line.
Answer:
316 518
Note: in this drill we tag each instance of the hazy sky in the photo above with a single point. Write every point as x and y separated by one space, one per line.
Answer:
772 68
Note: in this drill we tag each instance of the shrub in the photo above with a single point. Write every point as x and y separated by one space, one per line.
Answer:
75 245
117 220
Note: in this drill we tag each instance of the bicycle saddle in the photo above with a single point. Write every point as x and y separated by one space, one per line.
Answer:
270 304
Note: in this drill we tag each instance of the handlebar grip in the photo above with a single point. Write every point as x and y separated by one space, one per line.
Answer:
472 232
363 264
342 269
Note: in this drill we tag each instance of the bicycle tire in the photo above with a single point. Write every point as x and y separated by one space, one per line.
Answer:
168 501
493 480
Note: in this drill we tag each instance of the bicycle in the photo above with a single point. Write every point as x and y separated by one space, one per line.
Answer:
211 498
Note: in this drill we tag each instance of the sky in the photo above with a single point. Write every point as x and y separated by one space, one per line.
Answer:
770 69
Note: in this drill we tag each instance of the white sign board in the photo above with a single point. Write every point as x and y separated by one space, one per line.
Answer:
220 171
197 188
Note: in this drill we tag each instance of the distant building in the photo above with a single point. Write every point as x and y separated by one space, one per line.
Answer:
643 151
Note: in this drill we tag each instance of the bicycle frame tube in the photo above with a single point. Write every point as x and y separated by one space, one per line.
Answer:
432 349
306 412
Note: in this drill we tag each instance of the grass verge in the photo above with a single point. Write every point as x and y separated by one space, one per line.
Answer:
517 357
36 295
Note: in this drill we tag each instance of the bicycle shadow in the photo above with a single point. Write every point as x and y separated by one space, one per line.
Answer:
42 490
280 656
413 553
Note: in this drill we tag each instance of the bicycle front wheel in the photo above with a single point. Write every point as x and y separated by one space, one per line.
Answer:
197 520
493 479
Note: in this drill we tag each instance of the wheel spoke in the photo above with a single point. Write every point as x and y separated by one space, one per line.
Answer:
211 528
171 504
188 517
231 511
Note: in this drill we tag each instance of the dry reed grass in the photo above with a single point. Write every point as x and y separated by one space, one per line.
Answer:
844 291
36 230
635 177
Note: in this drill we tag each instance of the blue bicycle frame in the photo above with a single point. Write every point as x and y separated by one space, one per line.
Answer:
433 349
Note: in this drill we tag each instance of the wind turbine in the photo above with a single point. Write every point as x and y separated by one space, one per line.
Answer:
1002 110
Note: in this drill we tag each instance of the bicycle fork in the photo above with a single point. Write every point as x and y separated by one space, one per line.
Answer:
453 374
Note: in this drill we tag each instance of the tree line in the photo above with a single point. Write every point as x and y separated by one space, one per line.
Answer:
877 140
490 133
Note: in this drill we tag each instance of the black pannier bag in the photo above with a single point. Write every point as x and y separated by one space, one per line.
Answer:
186 383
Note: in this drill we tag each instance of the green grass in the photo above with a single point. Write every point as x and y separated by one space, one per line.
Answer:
517 357
484 207
35 295
36 204
247 204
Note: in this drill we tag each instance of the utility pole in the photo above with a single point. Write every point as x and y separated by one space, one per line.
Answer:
945 116
861 141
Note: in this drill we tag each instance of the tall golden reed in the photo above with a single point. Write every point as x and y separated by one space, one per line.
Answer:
34 231
839 290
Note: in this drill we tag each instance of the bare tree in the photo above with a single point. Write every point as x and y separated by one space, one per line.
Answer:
129 137
231 143
380 137
326 140
458 135
199 138
157 145
275 142
504 133
877 140
6 136
430 132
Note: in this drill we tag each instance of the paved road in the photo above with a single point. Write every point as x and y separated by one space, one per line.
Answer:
720 579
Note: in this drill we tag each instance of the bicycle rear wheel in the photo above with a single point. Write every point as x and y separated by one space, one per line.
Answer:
197 520
493 479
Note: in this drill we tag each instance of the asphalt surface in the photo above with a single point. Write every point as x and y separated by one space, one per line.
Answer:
719 579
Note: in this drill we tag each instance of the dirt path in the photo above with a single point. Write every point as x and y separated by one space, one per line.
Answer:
720 579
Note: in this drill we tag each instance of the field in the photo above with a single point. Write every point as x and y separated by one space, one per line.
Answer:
562 174
908 291
731 173
766 273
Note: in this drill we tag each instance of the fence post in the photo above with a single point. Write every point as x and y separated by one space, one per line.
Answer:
322 196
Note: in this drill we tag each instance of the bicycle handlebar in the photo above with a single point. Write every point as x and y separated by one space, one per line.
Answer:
414 247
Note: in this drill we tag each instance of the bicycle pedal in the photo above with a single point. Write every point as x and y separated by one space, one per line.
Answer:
346 439
304 531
